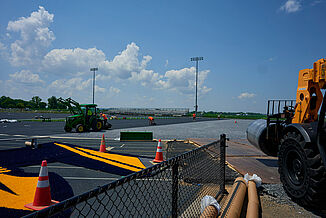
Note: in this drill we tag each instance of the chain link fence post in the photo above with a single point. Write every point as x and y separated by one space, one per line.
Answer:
222 160
175 189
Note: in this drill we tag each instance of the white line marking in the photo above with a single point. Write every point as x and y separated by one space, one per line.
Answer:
71 137
83 178
13 135
122 145
52 137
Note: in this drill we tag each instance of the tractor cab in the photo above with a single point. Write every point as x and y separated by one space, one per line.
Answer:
88 109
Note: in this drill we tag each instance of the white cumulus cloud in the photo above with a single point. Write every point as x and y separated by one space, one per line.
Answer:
245 95
291 6
70 86
184 81
114 90
2 46
145 77
99 89
127 62
34 38
72 61
26 77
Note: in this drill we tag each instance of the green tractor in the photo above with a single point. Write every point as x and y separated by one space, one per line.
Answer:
84 117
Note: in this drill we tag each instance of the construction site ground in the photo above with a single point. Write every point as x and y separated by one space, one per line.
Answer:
72 172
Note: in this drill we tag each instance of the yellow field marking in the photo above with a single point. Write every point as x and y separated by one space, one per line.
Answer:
98 158
24 187
4 170
134 161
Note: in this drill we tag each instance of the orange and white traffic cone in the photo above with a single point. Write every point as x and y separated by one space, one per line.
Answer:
102 147
159 153
42 198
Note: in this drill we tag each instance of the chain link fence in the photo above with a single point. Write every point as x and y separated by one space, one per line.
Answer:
173 188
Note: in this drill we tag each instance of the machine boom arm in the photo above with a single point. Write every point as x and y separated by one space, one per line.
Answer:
309 96
76 109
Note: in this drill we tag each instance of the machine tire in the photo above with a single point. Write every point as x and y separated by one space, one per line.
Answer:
80 128
107 126
68 128
97 125
302 172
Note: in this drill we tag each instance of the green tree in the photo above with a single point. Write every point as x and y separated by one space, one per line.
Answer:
36 100
7 102
61 106
53 102
42 105
20 105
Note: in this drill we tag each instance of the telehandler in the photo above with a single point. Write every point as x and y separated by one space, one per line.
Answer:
296 134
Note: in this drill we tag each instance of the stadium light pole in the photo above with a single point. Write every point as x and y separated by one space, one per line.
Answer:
94 69
196 59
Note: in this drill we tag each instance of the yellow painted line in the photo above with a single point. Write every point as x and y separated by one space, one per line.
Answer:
134 161
4 170
98 158
24 187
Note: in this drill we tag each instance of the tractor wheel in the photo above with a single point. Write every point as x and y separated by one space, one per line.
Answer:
302 172
80 128
107 126
97 125
68 128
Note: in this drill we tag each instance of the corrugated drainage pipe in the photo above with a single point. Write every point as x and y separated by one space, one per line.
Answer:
253 202
233 205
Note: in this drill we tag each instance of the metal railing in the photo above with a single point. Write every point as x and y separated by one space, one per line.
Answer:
277 106
173 188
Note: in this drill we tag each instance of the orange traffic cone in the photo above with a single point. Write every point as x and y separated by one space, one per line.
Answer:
159 153
102 147
42 198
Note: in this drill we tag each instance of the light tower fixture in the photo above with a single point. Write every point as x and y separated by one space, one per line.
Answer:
94 69
196 59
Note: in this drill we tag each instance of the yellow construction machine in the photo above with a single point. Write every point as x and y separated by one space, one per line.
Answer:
296 134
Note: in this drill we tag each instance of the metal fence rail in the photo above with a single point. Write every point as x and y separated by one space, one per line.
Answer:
172 188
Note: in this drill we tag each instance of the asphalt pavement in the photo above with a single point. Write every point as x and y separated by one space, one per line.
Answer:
68 169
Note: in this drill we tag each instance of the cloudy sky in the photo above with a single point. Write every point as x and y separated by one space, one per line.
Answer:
252 51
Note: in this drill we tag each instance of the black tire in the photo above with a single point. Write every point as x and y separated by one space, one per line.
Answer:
302 172
68 128
107 126
80 128
97 125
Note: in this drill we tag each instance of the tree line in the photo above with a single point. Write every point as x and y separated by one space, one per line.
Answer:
35 103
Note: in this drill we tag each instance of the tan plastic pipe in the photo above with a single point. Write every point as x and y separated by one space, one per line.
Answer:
209 212
253 203
233 205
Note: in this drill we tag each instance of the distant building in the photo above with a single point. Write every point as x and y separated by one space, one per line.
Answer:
149 111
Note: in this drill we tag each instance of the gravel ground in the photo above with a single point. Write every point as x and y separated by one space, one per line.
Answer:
182 131
275 201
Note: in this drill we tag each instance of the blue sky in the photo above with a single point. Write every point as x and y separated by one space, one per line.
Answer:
252 51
